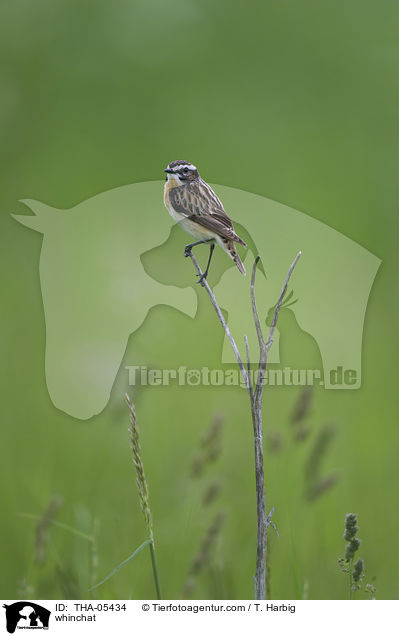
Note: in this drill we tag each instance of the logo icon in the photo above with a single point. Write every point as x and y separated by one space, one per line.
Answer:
26 615
102 271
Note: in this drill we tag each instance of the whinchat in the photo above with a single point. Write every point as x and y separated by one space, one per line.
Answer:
193 204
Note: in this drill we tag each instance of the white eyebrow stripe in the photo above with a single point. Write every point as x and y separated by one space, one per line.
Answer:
182 166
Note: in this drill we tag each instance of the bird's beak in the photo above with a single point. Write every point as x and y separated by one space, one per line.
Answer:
168 171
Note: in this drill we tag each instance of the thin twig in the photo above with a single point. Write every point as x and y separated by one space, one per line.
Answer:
253 302
251 390
263 520
280 300
222 320
255 396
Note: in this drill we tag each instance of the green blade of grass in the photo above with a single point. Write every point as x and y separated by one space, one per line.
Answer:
118 567
64 526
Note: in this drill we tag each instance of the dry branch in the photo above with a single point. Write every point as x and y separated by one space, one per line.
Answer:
255 396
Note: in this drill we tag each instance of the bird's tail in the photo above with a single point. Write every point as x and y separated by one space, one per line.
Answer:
232 251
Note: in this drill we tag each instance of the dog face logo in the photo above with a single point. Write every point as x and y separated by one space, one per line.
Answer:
26 615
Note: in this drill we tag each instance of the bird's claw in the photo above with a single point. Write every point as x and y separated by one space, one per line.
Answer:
201 279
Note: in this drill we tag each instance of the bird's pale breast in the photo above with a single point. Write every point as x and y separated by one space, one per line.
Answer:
196 230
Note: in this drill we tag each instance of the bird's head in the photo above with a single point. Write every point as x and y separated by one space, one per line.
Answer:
181 171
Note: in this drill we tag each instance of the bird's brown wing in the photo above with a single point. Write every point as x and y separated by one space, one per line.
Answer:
215 223
200 204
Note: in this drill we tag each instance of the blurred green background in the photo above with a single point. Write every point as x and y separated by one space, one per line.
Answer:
294 101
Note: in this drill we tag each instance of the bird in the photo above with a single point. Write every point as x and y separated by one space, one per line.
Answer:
193 204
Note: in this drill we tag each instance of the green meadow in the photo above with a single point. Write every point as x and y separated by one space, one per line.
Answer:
296 102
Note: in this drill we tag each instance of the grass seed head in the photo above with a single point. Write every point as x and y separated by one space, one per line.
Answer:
141 481
358 570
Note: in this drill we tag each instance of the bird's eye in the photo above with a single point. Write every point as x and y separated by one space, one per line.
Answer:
185 170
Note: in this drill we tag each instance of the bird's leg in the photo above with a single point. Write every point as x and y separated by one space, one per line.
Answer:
205 274
188 248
